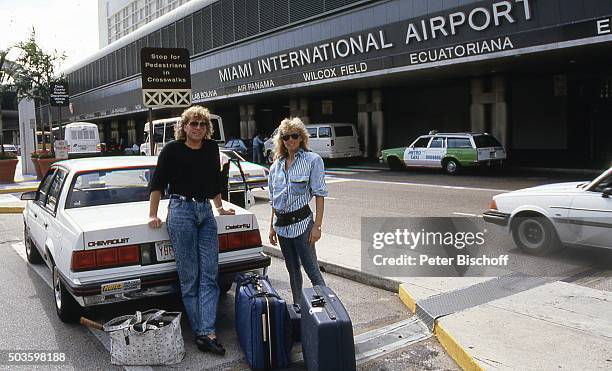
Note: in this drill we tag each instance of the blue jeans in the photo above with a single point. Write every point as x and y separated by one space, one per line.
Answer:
193 232
295 251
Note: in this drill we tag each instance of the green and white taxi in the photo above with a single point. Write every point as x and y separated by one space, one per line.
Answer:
449 151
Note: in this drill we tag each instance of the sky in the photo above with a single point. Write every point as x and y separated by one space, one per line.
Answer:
69 26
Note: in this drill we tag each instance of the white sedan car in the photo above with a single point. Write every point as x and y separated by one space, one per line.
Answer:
542 219
88 223
255 175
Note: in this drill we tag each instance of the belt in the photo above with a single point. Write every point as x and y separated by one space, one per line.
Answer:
188 199
292 217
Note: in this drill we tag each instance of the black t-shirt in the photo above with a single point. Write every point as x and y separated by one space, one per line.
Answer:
189 172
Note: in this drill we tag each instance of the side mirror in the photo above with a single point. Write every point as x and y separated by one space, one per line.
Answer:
606 192
26 196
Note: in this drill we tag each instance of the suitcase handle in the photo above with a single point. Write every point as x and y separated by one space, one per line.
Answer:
328 308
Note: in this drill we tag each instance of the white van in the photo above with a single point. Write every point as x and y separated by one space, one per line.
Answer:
164 133
82 138
333 140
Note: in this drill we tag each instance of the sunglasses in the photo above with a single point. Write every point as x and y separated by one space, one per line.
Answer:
292 136
195 124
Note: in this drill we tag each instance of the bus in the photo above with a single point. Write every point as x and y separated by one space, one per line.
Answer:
164 133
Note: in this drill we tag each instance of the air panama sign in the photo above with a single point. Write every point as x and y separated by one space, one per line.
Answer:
468 32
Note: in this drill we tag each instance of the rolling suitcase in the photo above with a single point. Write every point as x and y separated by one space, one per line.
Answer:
295 316
262 323
327 331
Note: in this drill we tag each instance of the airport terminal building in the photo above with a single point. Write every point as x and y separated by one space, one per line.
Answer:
535 73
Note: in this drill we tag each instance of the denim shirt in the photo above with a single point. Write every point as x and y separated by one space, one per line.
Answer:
292 189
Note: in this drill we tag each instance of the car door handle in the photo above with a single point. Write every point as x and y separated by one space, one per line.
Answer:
36 215
46 225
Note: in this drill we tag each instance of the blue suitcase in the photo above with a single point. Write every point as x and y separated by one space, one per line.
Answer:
327 331
295 317
262 323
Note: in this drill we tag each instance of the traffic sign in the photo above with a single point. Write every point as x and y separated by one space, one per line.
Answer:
166 77
58 95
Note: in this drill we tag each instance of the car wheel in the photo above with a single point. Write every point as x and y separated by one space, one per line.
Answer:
32 253
535 235
68 310
395 164
225 283
451 166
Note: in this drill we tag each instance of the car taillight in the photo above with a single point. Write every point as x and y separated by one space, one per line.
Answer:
105 258
239 240
493 205
83 260
128 255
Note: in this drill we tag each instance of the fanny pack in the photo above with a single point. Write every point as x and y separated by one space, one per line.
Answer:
292 217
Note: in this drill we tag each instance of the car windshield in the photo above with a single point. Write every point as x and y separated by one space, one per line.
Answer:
484 141
106 187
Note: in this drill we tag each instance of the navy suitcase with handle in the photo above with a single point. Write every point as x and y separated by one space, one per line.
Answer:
326 331
262 323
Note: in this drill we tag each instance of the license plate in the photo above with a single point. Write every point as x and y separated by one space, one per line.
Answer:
164 251
492 154
119 287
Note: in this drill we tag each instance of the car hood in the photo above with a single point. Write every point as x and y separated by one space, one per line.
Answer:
555 187
248 167
127 223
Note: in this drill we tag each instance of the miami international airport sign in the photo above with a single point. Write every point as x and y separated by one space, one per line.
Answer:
465 34
166 77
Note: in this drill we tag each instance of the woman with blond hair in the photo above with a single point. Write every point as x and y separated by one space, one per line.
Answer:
296 175
189 168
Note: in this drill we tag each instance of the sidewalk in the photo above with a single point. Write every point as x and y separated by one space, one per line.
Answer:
9 192
510 323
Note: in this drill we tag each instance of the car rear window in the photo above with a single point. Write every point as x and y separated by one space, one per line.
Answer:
343 131
106 187
483 141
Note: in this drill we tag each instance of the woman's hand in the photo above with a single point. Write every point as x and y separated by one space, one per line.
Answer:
272 236
223 211
155 222
315 234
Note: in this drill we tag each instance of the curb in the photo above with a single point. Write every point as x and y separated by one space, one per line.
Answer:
452 346
11 209
346 272
17 190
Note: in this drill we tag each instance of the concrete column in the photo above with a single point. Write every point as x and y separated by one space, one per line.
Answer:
377 121
131 124
477 109
304 110
115 130
27 128
251 125
294 107
363 121
101 132
499 126
244 121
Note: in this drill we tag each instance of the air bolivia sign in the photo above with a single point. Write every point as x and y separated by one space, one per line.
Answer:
166 77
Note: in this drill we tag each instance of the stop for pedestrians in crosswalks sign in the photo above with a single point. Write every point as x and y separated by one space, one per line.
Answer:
166 77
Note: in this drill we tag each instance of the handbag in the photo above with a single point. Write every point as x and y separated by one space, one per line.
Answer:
152 337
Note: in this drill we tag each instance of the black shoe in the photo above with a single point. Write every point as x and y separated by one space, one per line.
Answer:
206 344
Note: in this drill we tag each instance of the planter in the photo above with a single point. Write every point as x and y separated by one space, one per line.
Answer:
45 164
37 168
7 170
